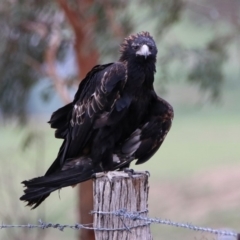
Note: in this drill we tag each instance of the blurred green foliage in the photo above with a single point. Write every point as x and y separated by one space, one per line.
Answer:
25 32
21 47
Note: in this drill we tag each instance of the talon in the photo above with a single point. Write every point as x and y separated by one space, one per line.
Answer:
129 171
126 170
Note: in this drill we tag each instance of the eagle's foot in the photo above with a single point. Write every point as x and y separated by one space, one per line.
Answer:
131 172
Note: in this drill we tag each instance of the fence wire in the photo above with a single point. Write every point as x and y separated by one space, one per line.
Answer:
123 213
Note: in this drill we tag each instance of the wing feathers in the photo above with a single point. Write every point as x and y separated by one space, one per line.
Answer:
59 120
147 139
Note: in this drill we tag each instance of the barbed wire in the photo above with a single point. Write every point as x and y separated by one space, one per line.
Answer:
136 216
123 213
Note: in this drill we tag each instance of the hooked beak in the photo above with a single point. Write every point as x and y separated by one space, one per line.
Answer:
144 51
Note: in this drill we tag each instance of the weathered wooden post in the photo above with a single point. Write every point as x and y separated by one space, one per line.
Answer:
117 190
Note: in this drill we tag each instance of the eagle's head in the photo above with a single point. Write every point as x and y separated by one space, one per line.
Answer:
140 46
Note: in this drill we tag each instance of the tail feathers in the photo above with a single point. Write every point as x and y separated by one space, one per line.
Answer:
38 189
34 197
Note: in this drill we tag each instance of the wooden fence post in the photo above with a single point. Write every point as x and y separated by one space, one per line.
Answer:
117 190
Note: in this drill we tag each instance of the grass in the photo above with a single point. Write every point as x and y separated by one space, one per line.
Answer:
198 141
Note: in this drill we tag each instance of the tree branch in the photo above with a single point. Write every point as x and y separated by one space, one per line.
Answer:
83 26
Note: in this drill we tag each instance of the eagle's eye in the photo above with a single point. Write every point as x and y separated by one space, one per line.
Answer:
135 46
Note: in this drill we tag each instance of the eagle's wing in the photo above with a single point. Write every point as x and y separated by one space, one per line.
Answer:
98 95
146 140
60 119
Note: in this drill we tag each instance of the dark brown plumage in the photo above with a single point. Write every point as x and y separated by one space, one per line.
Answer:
115 118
